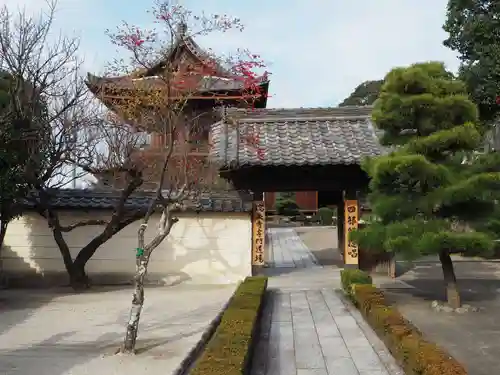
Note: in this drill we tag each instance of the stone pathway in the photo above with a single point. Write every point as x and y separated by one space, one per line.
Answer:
307 329
286 250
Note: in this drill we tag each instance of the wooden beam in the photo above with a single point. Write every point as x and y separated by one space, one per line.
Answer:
300 178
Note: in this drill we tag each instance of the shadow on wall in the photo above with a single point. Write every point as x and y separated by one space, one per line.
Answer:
211 258
204 248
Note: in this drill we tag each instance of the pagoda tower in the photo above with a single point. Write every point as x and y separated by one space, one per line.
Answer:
219 87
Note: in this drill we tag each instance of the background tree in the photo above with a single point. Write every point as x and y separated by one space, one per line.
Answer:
13 187
48 96
177 177
21 143
365 94
428 201
473 33
286 204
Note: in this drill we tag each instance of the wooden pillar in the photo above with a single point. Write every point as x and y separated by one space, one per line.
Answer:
340 227
351 217
258 233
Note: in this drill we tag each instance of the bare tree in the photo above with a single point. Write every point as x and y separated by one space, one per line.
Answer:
158 90
67 127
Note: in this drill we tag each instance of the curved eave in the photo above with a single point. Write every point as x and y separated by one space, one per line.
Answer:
96 85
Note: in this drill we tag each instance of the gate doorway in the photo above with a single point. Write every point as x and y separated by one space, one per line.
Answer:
300 149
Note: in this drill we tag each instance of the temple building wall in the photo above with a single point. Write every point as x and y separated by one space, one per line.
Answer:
203 248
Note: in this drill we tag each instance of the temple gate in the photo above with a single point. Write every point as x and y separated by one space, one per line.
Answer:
300 150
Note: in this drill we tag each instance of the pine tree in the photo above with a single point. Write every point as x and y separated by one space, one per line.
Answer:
429 194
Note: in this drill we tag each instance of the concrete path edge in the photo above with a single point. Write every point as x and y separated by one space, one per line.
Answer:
383 353
195 352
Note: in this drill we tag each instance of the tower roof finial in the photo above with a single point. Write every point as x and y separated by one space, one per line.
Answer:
181 29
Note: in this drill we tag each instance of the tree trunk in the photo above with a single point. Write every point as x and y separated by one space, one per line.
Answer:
76 269
450 280
143 256
3 231
78 280
137 305
88 251
141 267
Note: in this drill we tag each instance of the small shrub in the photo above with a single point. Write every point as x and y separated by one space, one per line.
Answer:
287 207
325 216
349 277
230 348
299 218
316 218
406 343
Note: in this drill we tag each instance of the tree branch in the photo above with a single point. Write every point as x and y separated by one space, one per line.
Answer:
85 223
165 225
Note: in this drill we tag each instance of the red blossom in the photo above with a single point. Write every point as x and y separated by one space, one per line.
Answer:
497 100
136 40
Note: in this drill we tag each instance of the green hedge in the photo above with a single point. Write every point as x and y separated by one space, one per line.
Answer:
230 348
350 277
326 216
415 355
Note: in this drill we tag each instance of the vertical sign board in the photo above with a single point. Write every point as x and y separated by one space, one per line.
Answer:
351 223
258 235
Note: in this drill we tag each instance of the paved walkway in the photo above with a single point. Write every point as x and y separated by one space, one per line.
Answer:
307 329
284 251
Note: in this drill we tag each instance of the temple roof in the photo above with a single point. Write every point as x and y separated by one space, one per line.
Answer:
205 84
84 199
186 42
295 137
221 79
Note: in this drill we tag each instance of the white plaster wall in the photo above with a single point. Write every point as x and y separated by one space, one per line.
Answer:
202 248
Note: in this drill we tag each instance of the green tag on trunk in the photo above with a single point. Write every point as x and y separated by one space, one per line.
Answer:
139 252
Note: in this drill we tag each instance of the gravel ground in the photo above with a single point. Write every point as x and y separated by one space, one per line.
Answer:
57 333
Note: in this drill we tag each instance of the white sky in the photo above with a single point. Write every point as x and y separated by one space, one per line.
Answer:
318 51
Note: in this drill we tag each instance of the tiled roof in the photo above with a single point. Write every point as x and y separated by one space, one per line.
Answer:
295 137
230 201
182 40
205 84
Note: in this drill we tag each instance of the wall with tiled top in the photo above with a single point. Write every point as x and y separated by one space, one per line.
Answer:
205 248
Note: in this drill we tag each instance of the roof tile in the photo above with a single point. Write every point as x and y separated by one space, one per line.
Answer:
227 201
295 137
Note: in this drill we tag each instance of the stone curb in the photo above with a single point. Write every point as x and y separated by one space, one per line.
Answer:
197 349
383 353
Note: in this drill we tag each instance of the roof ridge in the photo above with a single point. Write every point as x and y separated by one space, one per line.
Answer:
297 113
233 109
304 119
